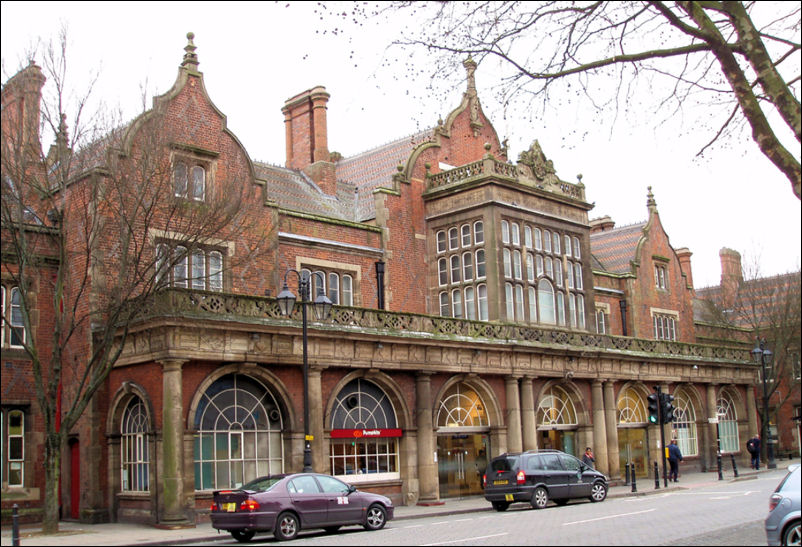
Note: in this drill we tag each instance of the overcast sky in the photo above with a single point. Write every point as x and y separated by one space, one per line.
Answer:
254 56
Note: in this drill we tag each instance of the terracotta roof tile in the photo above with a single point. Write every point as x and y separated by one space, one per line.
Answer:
614 249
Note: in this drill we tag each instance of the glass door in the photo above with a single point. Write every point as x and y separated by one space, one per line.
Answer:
632 448
461 462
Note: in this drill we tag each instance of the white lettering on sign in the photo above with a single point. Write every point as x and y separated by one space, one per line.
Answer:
342 500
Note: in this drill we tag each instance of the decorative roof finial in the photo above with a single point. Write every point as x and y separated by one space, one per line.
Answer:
650 202
190 57
470 68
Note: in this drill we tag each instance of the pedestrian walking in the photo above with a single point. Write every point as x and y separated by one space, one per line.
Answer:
588 459
753 447
674 457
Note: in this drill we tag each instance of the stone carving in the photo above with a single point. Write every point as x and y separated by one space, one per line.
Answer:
542 168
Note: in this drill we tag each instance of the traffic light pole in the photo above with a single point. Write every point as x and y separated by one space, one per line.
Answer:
661 420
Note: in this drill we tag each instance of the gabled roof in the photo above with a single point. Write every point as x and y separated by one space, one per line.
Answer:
293 190
614 250
374 168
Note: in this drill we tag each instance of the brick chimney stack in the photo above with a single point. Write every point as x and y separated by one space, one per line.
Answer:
601 224
731 275
307 137
684 256
22 97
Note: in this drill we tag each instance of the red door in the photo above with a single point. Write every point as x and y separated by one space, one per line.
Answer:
75 480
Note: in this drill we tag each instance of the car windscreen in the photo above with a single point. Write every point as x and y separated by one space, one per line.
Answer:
262 484
500 465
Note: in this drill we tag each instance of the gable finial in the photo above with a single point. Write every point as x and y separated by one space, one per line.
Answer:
190 57
650 202
470 68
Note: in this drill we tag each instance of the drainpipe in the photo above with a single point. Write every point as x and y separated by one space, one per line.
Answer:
623 304
380 283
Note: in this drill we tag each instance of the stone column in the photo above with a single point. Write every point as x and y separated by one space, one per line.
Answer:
599 428
172 444
427 468
319 456
751 410
514 443
611 426
711 450
528 415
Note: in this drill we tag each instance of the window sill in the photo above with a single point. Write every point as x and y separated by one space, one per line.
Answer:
19 493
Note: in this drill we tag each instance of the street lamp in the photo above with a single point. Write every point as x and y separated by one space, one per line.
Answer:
763 356
322 306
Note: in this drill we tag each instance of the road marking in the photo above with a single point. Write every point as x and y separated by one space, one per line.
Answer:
467 539
608 517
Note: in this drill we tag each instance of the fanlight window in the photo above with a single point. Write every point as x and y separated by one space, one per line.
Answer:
239 434
461 407
727 424
631 409
556 408
362 404
685 425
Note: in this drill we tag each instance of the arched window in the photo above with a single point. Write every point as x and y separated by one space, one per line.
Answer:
461 407
631 409
508 300
466 235
519 302
334 288
478 232
556 408
441 241
507 263
456 303
134 447
198 269
215 271
467 266
348 290
363 405
180 179
545 299
455 269
481 291
470 307
538 240
239 434
180 259
685 425
727 424
453 239
444 305
480 264
505 232
532 304
198 183
442 271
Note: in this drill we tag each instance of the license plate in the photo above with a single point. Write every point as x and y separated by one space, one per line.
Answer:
500 482
230 507
509 497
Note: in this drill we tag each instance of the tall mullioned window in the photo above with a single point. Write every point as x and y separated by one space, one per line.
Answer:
461 270
134 447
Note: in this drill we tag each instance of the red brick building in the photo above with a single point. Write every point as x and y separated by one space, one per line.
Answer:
477 310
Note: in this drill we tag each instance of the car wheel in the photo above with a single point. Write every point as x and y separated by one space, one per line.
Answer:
241 536
598 492
561 501
331 529
287 527
540 498
791 536
376 517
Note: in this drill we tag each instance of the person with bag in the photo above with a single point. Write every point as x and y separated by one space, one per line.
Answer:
674 457
753 446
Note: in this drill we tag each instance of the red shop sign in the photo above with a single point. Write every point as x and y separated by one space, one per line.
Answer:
364 433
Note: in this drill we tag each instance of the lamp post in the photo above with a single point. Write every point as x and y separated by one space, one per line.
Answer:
763 356
322 307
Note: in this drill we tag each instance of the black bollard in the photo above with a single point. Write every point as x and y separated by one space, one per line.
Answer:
626 473
634 487
656 477
15 525
734 467
718 461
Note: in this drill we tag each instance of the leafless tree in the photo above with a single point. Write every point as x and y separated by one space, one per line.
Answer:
78 227
739 61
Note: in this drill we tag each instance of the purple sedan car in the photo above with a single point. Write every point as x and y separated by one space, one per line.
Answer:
285 504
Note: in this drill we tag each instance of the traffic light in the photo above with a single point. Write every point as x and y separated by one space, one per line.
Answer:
667 407
654 412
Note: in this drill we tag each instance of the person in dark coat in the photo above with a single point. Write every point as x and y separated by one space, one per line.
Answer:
588 459
753 446
674 457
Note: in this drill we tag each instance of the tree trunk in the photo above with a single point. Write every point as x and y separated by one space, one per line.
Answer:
52 475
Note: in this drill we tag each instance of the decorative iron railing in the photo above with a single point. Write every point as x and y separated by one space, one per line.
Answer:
187 303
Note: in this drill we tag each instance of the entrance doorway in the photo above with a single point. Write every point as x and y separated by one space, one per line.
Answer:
632 445
75 479
562 440
461 462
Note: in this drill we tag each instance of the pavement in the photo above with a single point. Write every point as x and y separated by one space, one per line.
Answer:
76 533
